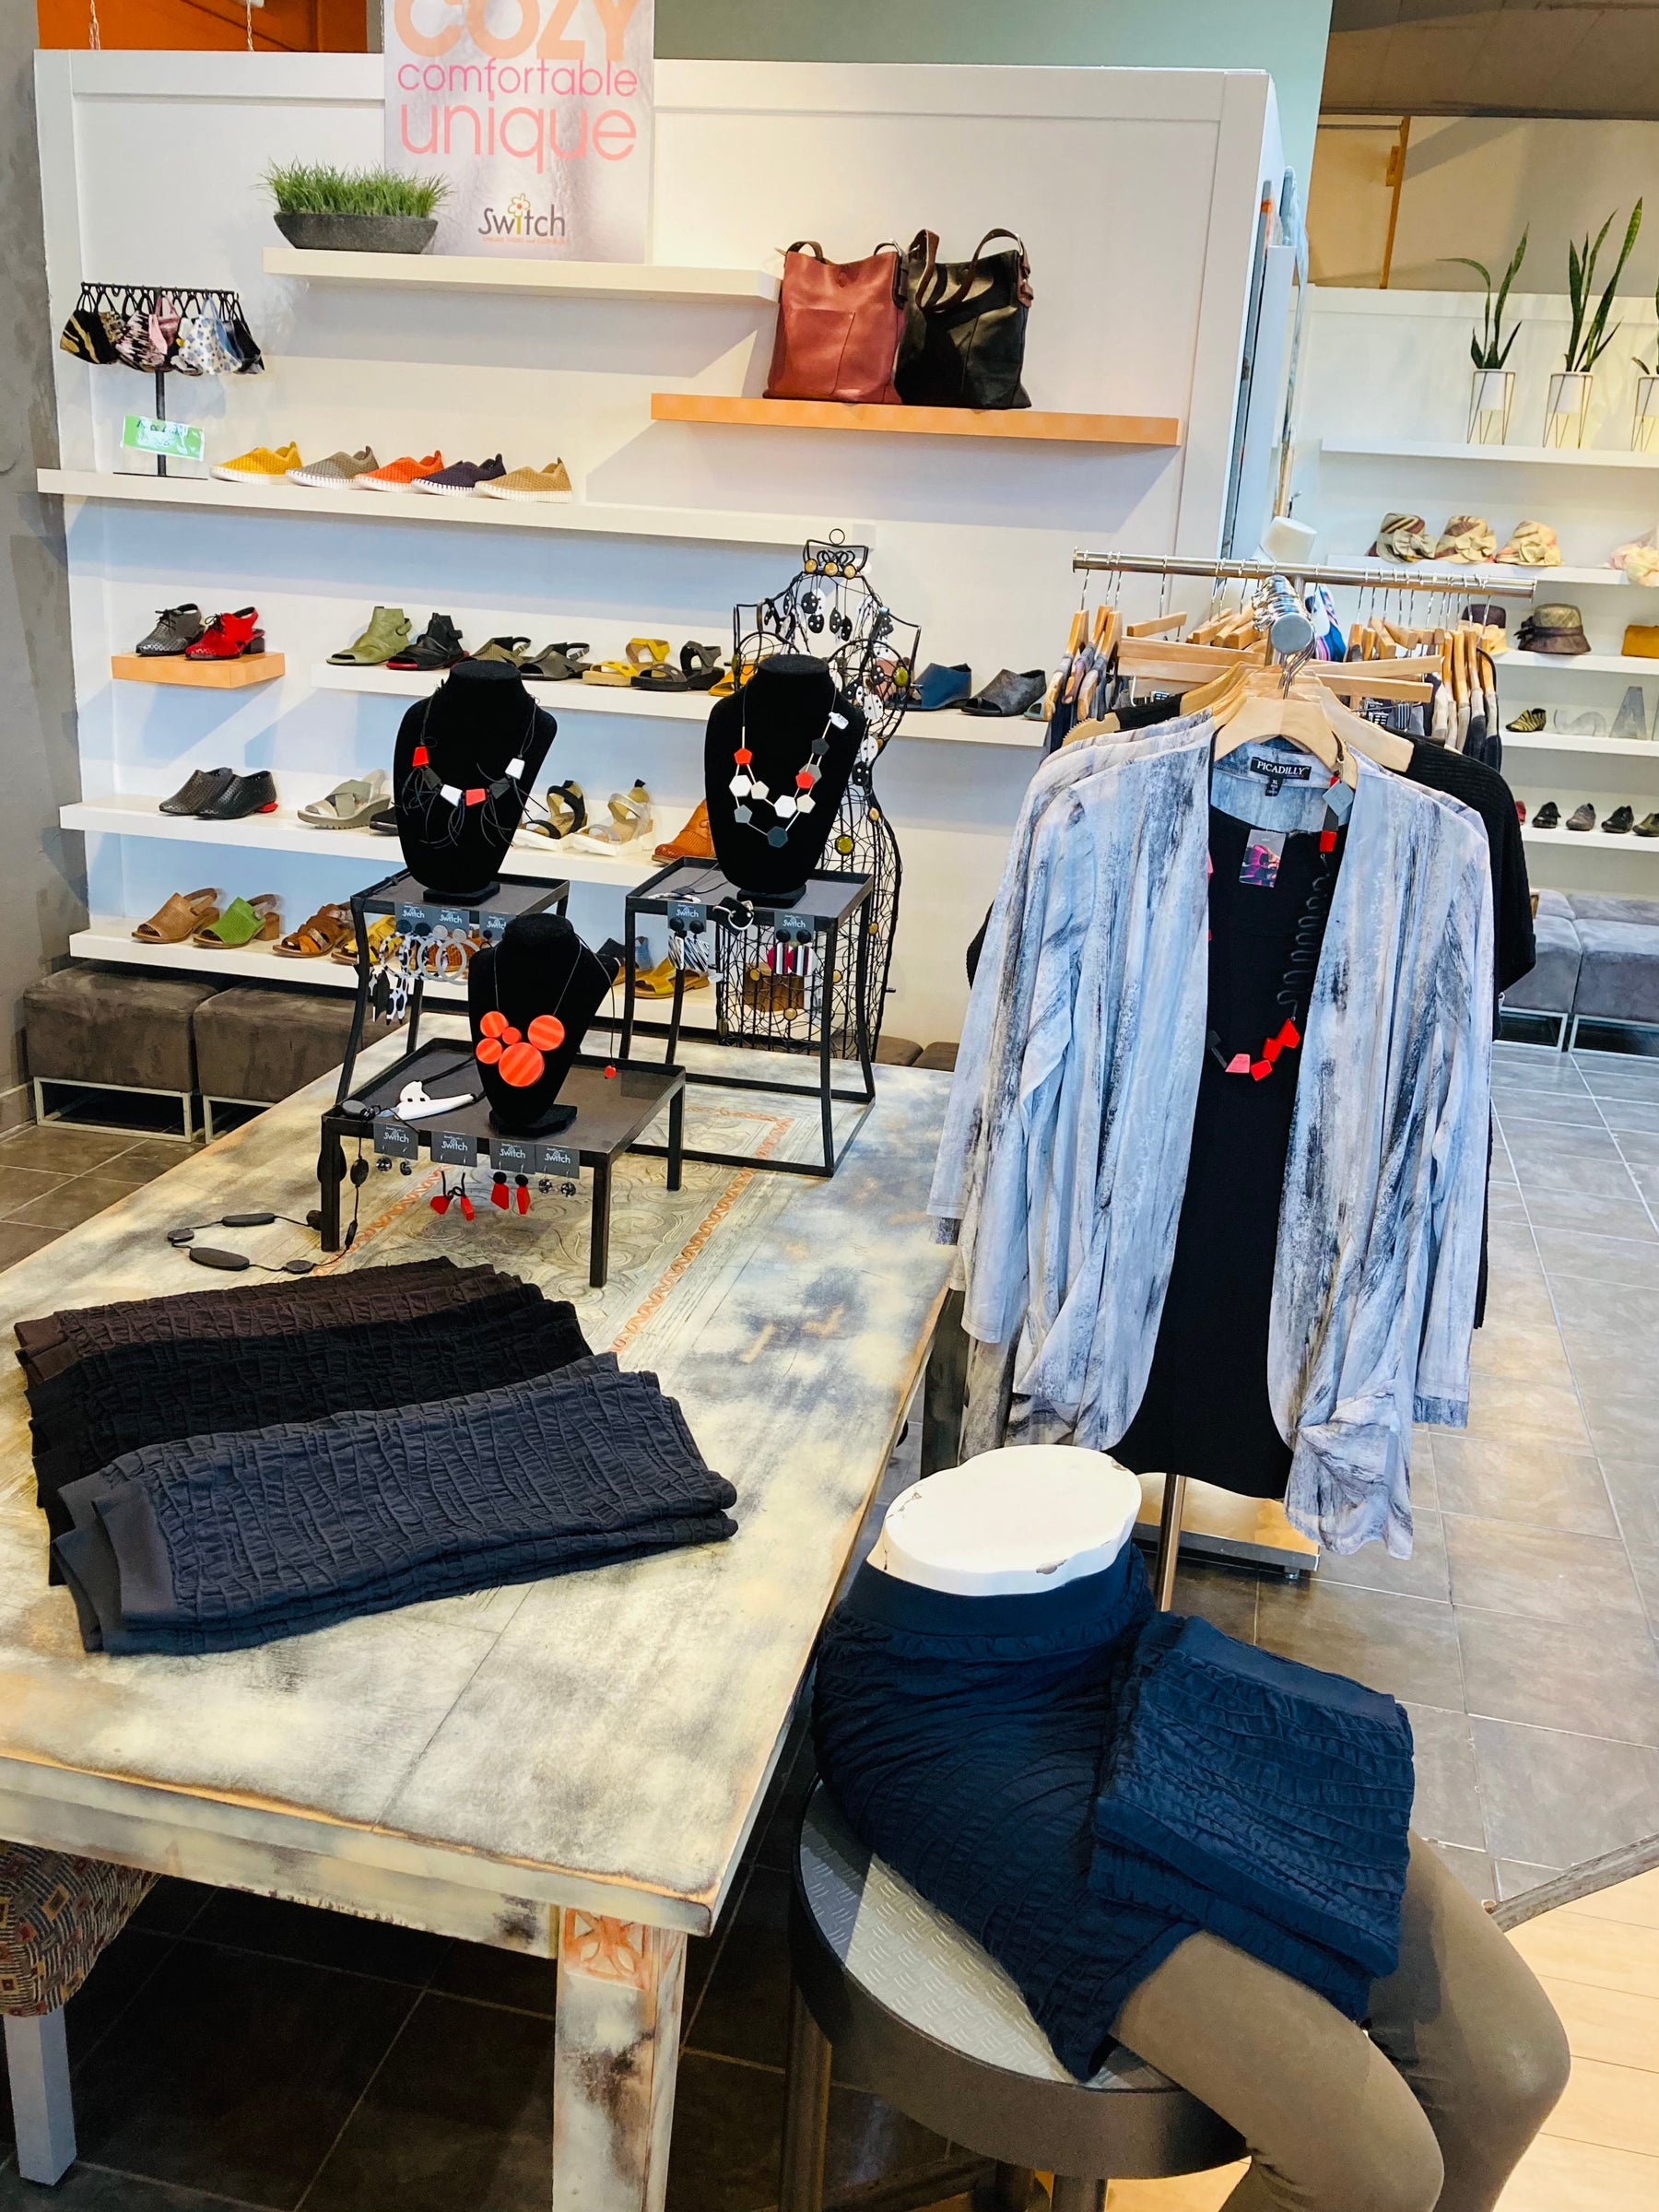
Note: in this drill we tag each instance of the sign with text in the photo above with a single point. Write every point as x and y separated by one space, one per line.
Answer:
538 115
144 434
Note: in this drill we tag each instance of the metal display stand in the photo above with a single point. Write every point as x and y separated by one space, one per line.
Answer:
613 1105
418 914
694 895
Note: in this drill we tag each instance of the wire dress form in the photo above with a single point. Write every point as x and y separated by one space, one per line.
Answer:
829 609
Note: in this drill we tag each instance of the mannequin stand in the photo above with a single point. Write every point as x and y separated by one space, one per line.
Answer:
416 908
832 907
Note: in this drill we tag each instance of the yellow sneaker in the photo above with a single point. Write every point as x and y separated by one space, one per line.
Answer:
259 466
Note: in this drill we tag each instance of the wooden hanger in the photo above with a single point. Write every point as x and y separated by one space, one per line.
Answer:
1160 626
1078 632
1267 711
1386 748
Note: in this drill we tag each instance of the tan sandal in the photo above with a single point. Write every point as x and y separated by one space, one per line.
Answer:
615 673
184 914
326 928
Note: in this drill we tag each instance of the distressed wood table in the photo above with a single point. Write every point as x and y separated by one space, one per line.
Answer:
569 1768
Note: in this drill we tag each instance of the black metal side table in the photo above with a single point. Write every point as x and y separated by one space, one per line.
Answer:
694 896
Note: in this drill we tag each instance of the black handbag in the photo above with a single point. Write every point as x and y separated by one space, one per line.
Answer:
964 339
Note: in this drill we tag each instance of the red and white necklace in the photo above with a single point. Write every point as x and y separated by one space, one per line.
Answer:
788 806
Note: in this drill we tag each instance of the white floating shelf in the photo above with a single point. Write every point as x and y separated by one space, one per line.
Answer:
483 272
126 814
1552 741
1521 457
949 727
1474 577
1585 664
709 526
1593 839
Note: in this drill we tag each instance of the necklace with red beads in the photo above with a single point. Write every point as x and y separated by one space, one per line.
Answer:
787 807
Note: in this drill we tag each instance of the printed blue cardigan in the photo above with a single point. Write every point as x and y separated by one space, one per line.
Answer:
1063 1164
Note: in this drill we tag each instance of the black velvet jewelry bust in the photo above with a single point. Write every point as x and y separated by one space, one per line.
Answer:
789 717
541 969
464 761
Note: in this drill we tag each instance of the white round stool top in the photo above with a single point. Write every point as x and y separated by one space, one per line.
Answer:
1011 1524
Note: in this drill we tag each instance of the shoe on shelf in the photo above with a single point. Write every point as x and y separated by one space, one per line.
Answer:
397 476
1548 816
228 638
550 483
350 804
385 823
629 828
510 650
327 928
942 686
1581 818
181 917
1529 720
201 785
556 664
1648 826
658 982
462 478
1521 810
388 632
337 469
701 664
438 647
260 465
1010 691
243 921
176 627
1620 822
242 796
567 812
695 842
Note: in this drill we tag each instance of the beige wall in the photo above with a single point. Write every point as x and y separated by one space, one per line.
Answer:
1472 184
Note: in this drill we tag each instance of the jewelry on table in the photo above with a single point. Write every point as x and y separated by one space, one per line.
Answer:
788 806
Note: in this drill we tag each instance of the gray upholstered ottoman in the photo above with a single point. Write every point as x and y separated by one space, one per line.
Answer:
1618 974
114 1029
1552 984
260 1043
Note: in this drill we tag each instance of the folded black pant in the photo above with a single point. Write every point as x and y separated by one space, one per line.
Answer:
217 1542
116 1401
53 1343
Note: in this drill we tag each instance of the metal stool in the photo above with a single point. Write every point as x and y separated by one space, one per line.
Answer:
921 2016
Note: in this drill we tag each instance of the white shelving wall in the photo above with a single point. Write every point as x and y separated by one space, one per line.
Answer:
672 523
1382 412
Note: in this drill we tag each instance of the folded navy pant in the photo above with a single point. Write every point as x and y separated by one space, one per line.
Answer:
118 1401
216 1543
968 1741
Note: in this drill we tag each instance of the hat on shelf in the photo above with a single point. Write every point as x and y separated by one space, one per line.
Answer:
1403 537
1467 537
1558 629
1640 559
1533 546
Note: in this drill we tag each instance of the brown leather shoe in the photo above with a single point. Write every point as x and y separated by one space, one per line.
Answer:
184 913
695 842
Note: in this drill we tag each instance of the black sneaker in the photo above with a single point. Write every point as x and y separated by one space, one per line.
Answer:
1620 822
198 790
438 647
176 627
242 796
1548 816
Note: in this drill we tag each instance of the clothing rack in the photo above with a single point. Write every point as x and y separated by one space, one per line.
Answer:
1398 579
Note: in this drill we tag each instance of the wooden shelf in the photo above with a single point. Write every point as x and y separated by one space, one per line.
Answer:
484 272
1517 456
709 527
1027 423
198 675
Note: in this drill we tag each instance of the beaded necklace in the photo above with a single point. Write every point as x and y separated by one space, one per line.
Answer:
787 807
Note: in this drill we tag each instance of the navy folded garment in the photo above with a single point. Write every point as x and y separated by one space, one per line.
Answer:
52 1342
976 1746
217 1542
118 1401
1283 1792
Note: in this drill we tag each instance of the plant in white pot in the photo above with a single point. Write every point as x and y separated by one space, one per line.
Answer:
1493 391
355 210
1588 336
1644 422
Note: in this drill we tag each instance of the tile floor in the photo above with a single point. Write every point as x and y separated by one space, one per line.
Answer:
232 2051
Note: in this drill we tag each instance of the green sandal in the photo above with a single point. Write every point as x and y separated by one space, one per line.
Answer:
243 921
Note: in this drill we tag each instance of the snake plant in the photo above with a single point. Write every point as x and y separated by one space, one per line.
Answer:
1652 368
1589 337
1490 348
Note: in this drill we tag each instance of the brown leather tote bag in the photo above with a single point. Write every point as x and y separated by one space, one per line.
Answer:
839 326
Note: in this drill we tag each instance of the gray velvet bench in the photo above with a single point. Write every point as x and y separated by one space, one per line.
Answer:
114 1029
1618 962
899 1999
259 1043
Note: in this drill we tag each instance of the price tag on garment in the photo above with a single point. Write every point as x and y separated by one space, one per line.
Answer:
395 1139
1263 853
513 1154
556 1159
454 1148
145 434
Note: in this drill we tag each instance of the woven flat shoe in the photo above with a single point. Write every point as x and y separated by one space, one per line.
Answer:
550 483
176 627
337 469
397 476
242 796
181 917
198 789
260 465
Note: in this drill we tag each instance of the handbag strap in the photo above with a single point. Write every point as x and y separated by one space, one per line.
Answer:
922 262
966 286
807 246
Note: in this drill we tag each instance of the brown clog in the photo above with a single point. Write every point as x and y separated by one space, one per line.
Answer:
184 913
695 842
